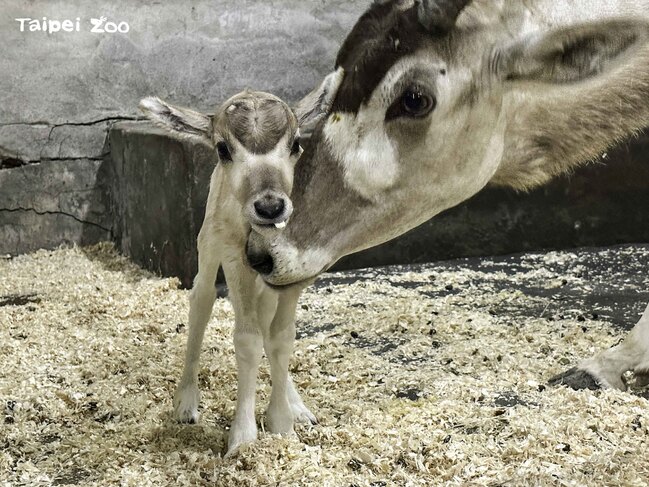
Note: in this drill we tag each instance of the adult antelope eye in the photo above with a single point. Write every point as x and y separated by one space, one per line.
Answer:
224 152
414 102
417 104
295 148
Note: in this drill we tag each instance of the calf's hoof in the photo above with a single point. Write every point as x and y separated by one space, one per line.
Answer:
186 401
280 419
302 414
241 433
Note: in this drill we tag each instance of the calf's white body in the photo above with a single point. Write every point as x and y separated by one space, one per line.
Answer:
256 137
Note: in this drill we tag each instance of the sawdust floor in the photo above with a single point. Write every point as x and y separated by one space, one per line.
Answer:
429 375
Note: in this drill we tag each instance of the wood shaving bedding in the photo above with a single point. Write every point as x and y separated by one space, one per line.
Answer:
431 375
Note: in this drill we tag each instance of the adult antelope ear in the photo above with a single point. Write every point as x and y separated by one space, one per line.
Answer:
316 104
570 54
182 122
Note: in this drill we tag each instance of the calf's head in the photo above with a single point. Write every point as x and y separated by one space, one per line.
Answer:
256 137
413 119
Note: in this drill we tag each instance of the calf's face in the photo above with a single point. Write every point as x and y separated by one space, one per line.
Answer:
256 137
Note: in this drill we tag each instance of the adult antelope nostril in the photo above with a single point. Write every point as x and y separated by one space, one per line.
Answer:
260 262
269 207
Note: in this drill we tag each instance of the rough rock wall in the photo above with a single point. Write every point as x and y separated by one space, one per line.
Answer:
60 92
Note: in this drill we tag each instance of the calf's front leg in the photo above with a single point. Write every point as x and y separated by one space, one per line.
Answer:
248 350
248 347
606 368
201 301
285 406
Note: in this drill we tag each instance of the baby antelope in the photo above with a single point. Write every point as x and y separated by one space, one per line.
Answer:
256 136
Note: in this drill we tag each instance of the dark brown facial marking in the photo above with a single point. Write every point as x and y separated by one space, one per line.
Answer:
259 124
383 35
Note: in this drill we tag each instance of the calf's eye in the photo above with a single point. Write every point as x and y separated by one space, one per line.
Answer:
224 151
295 148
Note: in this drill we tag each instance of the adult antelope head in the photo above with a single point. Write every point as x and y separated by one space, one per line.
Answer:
431 100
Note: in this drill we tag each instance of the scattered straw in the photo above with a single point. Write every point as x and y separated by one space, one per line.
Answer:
433 377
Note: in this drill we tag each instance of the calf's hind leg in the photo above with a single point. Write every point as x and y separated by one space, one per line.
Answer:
606 368
301 413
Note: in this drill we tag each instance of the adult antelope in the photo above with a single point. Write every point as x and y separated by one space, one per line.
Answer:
432 100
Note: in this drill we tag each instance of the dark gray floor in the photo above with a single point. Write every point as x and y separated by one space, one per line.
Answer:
609 284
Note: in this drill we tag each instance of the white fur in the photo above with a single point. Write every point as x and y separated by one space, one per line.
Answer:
152 104
632 354
368 157
310 262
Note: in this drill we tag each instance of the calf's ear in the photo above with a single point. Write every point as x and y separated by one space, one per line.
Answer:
316 104
570 54
182 122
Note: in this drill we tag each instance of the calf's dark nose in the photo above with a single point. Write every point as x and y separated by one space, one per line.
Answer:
260 262
269 207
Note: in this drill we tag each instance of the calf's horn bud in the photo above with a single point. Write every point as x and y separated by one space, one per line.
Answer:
439 16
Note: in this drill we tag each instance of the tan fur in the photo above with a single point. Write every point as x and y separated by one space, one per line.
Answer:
569 125
548 140
257 120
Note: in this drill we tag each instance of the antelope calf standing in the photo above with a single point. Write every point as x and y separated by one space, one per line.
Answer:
256 136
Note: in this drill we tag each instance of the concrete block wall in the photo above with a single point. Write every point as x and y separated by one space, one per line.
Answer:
158 187
60 92
64 180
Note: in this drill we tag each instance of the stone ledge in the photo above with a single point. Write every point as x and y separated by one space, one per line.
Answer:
158 188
